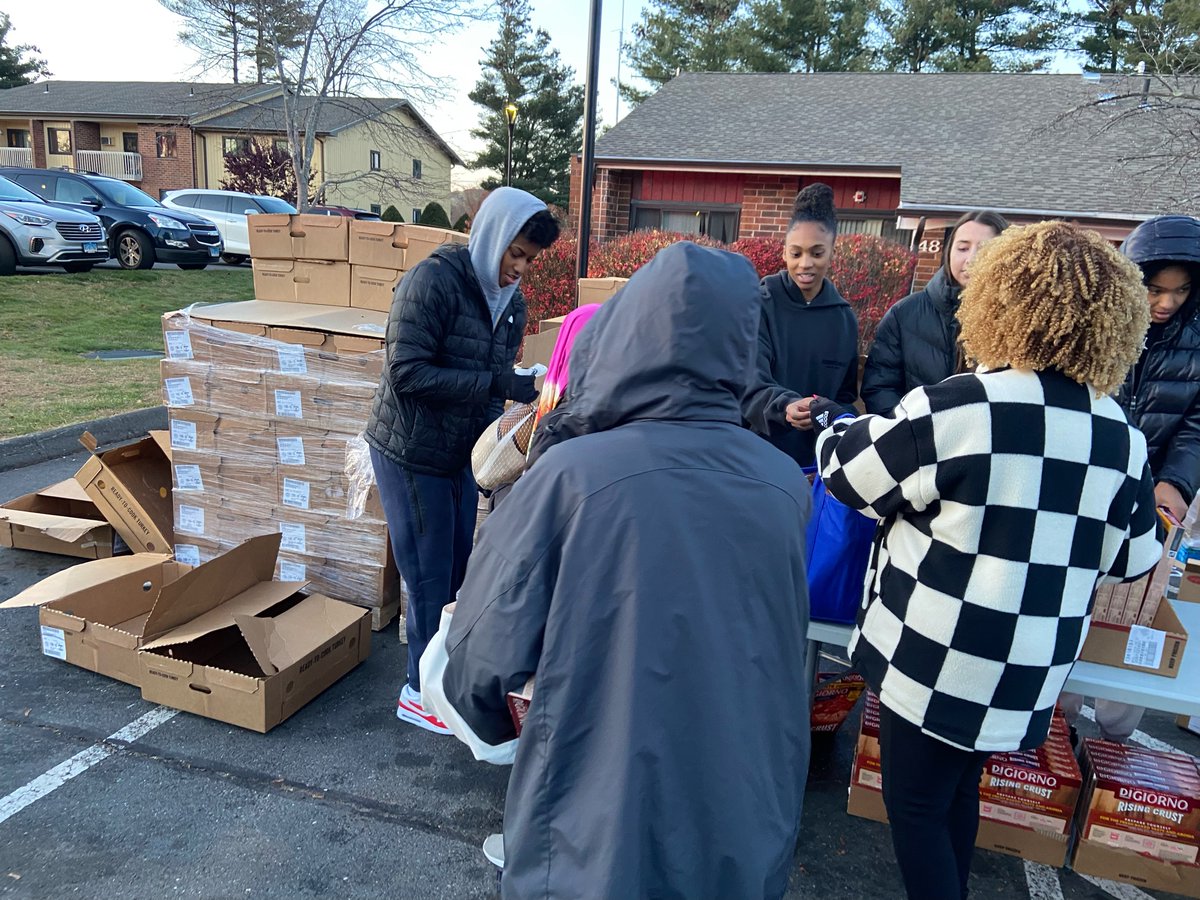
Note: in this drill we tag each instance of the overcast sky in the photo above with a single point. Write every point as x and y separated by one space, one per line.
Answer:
135 40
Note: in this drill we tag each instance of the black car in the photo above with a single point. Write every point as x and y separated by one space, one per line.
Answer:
141 231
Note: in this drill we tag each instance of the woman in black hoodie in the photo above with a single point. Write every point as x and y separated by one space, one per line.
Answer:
808 334
917 341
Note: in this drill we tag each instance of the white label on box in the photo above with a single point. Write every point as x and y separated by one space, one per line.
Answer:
290 571
187 478
189 554
191 519
1145 647
179 345
54 642
287 404
295 493
183 435
291 360
291 451
179 391
293 537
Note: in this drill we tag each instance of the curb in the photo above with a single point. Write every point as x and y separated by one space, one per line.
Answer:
30 449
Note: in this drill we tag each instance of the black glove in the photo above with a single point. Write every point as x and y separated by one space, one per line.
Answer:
511 386
824 411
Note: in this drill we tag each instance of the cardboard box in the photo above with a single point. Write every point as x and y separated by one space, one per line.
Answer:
284 236
240 648
315 281
321 405
59 519
372 287
421 241
834 697
362 328
598 290
1160 652
131 486
379 244
1133 868
1189 583
94 615
1189 723
539 347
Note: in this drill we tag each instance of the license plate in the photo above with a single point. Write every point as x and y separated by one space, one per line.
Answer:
89 246
214 251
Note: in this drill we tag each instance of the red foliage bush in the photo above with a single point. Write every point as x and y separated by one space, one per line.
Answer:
621 257
766 254
549 282
871 273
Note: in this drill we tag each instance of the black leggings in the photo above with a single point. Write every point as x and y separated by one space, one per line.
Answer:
931 791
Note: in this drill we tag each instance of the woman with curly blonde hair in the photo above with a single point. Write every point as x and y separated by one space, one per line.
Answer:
1004 495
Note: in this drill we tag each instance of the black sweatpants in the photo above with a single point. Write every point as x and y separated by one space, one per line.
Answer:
931 791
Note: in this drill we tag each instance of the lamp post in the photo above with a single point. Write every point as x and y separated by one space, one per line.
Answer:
588 160
510 115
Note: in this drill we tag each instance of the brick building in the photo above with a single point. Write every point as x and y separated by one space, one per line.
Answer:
725 154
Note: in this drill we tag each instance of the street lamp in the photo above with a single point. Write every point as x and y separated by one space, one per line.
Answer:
510 115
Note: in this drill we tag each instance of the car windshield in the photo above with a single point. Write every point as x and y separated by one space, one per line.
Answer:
13 192
275 205
121 194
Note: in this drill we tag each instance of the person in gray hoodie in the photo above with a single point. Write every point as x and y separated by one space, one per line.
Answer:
808 336
665 750
456 323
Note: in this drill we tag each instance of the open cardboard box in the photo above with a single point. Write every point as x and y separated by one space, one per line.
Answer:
1111 644
131 487
60 519
93 615
233 645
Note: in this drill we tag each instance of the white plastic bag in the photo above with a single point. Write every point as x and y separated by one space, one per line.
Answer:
360 474
433 698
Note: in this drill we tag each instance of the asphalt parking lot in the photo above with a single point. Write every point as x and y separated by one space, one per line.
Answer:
104 795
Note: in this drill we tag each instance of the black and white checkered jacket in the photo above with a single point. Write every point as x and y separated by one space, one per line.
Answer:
1004 498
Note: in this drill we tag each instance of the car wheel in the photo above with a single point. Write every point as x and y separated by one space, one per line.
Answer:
232 259
193 265
8 258
134 251
76 267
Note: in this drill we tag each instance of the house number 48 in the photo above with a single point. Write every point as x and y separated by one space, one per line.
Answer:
930 246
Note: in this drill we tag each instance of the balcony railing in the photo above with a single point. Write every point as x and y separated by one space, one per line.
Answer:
126 166
16 156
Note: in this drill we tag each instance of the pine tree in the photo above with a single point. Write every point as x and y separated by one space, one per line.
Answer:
521 68
807 36
1163 34
683 35
15 67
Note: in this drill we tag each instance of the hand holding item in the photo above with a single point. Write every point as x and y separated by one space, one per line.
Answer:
798 415
1168 495
513 386
824 411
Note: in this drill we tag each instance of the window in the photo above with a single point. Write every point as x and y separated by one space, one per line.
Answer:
72 191
213 203
280 144
376 161
417 169
188 200
377 209
19 137
235 146
718 223
42 185
164 145
416 216
58 141
129 141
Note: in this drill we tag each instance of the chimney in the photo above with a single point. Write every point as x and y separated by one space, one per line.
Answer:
46 89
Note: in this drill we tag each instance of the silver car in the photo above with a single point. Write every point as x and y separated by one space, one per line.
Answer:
33 233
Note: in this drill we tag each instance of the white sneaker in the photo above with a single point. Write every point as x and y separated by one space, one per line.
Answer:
493 849
409 709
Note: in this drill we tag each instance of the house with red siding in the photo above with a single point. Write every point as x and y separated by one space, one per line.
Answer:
724 154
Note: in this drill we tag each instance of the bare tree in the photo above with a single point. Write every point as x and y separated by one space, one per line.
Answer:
214 30
345 49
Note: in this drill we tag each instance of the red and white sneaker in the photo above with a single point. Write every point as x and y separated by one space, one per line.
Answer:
410 710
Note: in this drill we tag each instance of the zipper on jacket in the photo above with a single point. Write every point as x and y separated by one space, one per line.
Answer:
414 500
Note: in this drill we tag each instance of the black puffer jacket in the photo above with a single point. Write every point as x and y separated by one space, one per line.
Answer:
434 400
1162 393
916 345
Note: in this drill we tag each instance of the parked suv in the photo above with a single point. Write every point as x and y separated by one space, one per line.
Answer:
228 211
34 233
141 231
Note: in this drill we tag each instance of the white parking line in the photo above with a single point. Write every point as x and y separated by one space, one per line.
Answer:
1139 737
1117 889
1043 882
52 780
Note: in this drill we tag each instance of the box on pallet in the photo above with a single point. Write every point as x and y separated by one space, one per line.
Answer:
298 236
317 281
372 287
60 519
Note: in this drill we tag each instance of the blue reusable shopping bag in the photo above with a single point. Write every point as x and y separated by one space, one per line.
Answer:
839 546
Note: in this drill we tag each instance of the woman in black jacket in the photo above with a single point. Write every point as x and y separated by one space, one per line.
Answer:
917 341
1161 395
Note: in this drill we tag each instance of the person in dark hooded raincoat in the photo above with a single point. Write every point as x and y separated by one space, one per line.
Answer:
649 569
